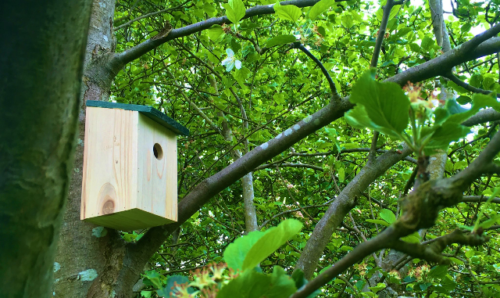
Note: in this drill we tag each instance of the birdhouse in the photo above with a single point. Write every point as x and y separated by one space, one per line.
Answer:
130 166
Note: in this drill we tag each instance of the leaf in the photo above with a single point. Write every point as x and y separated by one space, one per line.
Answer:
464 100
438 271
235 253
388 215
456 261
235 10
154 277
300 281
444 135
252 284
394 11
385 106
341 174
347 21
426 43
451 129
379 287
270 242
240 76
457 88
279 40
215 32
167 291
287 12
319 8
413 238
476 80
378 221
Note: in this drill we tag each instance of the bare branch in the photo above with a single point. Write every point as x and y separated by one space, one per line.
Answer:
381 32
289 165
477 199
335 94
483 116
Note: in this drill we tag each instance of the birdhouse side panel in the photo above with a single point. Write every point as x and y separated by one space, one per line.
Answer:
110 162
157 169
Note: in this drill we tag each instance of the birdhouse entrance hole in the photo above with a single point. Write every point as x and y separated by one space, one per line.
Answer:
157 151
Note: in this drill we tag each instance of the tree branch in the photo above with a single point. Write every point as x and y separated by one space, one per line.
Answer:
464 85
483 116
219 181
290 165
477 167
432 252
149 15
477 199
335 95
150 44
439 66
339 208
381 32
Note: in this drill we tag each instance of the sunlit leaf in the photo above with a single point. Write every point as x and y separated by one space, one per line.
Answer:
319 8
388 215
235 10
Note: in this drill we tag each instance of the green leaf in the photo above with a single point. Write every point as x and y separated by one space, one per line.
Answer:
379 287
279 40
235 10
456 261
464 100
235 253
394 11
456 87
341 174
439 271
347 21
444 135
426 43
270 242
215 32
378 221
451 129
319 8
476 80
287 12
388 215
300 281
154 277
252 284
490 222
413 238
385 106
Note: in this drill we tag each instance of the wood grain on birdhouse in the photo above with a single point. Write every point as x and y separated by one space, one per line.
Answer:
130 170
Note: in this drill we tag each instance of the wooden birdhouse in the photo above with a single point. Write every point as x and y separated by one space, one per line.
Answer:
130 166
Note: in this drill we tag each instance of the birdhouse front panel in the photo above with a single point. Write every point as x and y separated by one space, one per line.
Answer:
110 150
130 166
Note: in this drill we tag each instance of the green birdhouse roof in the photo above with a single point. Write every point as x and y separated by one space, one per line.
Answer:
148 111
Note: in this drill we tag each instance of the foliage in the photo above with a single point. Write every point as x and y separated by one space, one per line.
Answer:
245 278
245 76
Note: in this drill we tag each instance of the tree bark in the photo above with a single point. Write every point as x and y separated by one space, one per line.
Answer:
344 202
41 62
88 260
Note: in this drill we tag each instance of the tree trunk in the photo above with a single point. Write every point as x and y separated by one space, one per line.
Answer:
41 59
88 259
